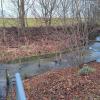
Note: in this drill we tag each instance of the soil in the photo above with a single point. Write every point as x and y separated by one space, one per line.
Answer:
64 84
33 42
36 41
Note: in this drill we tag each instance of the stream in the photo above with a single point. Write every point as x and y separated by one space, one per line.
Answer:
31 68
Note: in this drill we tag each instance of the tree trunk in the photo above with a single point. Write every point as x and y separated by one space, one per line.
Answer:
22 14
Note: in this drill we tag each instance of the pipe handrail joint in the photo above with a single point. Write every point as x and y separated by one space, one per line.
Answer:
20 93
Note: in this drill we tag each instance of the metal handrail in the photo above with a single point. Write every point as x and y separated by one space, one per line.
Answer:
20 93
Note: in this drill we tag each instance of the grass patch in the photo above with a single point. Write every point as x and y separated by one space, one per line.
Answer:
32 22
86 70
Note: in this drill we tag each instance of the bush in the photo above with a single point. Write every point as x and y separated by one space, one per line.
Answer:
86 70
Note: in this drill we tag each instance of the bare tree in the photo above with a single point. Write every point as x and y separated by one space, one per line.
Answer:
19 9
21 13
46 10
28 8
63 9
79 36
3 16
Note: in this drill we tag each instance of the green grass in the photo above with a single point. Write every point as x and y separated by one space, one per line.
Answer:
86 70
32 22
8 22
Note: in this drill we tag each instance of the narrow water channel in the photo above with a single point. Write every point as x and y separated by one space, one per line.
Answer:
31 68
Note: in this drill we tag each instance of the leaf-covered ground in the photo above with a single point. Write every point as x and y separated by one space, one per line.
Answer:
32 42
64 84
36 40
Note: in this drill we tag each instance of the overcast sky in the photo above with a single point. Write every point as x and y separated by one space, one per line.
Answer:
9 9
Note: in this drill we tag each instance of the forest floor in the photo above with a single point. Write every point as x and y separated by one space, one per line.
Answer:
64 84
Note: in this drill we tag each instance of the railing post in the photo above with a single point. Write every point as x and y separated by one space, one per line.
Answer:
7 82
20 93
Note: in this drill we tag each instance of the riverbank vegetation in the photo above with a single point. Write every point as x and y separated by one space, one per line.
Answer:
55 27
38 41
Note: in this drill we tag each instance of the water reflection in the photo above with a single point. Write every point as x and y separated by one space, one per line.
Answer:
32 68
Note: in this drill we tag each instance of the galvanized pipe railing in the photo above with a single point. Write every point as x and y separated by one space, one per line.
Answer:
20 93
